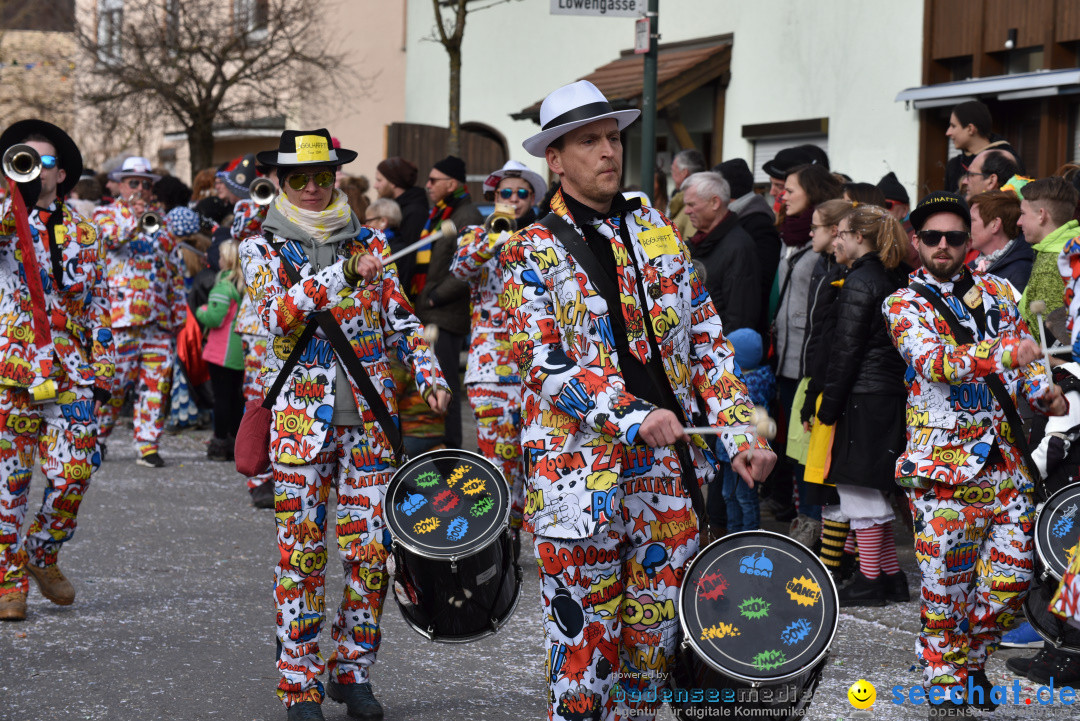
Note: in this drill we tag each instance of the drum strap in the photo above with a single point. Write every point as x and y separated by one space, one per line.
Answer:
332 330
586 258
993 381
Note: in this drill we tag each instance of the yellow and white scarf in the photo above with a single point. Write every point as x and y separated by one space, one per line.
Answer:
320 225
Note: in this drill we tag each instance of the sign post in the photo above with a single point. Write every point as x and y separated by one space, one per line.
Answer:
648 104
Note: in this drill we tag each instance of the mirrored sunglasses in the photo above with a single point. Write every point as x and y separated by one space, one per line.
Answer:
323 179
48 161
507 193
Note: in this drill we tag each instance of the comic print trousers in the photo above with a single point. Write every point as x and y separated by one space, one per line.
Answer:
974 546
144 359
64 434
610 600
300 500
254 353
497 407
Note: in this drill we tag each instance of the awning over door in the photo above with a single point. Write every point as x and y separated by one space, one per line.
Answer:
1039 84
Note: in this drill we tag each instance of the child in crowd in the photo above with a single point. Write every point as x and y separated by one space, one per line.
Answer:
743 513
224 352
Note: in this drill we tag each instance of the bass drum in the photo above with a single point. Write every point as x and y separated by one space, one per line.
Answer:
1057 531
758 613
455 573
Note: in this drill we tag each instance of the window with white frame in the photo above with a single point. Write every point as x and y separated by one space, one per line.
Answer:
110 29
251 17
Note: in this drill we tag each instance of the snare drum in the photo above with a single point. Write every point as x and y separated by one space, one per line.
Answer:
758 613
455 576
1057 531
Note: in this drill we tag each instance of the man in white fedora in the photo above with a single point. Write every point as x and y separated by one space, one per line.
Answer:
614 335
149 307
492 380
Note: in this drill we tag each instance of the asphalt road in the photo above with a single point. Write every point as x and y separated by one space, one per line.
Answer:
174 620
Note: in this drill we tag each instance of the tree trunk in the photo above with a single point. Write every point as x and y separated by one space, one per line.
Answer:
453 139
201 145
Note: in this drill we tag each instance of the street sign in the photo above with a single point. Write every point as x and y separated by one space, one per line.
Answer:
600 8
641 36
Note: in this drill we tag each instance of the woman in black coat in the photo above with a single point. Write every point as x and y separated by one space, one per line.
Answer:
864 397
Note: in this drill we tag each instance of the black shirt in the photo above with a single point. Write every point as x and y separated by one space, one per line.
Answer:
636 376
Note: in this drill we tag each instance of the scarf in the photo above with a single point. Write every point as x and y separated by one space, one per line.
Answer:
795 229
983 262
319 232
319 225
442 211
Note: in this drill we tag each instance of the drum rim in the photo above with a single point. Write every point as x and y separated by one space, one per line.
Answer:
689 639
404 542
1035 532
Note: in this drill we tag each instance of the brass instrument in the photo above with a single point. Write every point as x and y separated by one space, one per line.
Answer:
21 163
150 222
502 220
262 191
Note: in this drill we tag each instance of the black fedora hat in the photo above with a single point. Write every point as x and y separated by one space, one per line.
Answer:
66 150
299 148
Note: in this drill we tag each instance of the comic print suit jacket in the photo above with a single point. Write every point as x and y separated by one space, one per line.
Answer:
77 301
953 419
477 263
145 282
576 413
373 316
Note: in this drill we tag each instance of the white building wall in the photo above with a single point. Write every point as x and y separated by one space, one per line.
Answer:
791 60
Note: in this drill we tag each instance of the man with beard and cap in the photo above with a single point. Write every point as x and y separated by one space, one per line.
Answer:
966 469
56 364
442 301
613 354
325 434
491 376
395 178
149 307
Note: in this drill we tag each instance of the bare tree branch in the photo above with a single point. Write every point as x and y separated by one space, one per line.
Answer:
203 66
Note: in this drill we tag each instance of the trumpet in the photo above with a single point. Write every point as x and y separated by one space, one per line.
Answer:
150 222
501 220
262 191
21 163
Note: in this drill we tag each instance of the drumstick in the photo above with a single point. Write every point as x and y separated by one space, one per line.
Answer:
1038 307
763 426
447 228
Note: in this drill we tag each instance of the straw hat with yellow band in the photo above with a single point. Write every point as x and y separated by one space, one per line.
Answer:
305 148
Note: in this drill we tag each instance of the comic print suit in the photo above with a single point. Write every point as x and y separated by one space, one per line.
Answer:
149 308
968 487
311 456
491 376
64 431
613 527
248 217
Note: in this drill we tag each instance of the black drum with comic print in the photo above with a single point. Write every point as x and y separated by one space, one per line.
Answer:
456 578
758 613
1057 531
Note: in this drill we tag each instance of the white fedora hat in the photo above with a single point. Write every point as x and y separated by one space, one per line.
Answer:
514 169
572 106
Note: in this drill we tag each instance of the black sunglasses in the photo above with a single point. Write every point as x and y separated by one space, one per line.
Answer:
932 238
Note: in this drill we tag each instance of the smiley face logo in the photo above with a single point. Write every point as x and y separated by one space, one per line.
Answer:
862 694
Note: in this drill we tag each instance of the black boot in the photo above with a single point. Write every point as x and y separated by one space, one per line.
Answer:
896 588
1061 667
358 699
979 682
862 591
1020 665
217 449
306 711
262 496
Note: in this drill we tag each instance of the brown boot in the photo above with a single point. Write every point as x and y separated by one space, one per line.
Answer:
52 584
13 606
